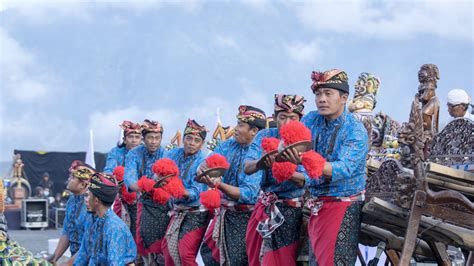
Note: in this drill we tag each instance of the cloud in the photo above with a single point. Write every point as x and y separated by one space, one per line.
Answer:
389 19
23 79
263 6
226 42
49 11
304 52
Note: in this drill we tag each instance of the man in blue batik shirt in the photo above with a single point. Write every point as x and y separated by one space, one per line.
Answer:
224 242
107 239
337 195
189 219
76 213
273 229
152 218
116 157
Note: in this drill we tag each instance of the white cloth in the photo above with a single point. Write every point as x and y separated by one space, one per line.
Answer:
458 96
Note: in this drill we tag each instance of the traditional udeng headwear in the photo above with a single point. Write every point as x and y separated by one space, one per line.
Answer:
192 127
289 103
130 128
81 170
151 126
331 79
104 187
252 116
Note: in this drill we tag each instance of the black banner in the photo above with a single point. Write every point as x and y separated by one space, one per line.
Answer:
56 164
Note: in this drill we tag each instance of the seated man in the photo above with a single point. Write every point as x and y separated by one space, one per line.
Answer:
107 239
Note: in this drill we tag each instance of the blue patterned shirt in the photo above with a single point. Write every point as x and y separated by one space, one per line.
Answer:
138 163
115 157
248 185
285 190
348 155
187 174
107 241
74 221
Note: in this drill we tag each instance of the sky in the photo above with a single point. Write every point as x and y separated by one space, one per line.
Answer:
70 66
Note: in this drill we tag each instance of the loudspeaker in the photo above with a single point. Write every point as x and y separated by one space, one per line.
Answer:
59 219
34 213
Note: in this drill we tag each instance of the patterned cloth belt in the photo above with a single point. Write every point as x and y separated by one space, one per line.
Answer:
177 214
267 225
315 204
218 233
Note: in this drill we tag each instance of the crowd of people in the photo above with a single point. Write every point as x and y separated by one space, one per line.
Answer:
115 218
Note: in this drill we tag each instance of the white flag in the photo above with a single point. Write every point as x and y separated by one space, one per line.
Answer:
90 151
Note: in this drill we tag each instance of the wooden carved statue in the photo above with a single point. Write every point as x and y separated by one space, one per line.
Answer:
428 77
364 101
175 141
17 166
220 134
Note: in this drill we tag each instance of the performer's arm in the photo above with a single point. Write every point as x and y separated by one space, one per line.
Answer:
63 244
254 154
131 173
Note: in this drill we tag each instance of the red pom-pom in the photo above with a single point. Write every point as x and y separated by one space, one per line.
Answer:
217 161
293 132
283 171
211 199
270 144
118 173
128 197
160 195
165 167
313 163
175 187
145 184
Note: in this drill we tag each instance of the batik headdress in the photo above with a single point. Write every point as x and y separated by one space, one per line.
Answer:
104 187
81 170
331 79
289 103
252 116
130 128
192 127
151 126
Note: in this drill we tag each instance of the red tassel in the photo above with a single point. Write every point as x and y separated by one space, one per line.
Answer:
160 195
119 171
165 167
175 187
217 161
211 199
128 197
283 171
313 162
293 132
145 184
270 144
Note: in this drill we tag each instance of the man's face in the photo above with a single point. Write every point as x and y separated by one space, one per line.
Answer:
152 141
330 102
132 140
75 185
192 144
91 202
284 118
45 178
243 134
457 110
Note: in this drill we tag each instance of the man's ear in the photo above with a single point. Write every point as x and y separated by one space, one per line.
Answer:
254 131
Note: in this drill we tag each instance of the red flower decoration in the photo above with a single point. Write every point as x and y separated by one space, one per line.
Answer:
128 197
211 199
160 195
270 144
145 184
217 161
165 167
313 163
119 171
175 187
283 171
293 132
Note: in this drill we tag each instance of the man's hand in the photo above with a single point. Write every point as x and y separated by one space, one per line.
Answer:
292 155
201 169
270 160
